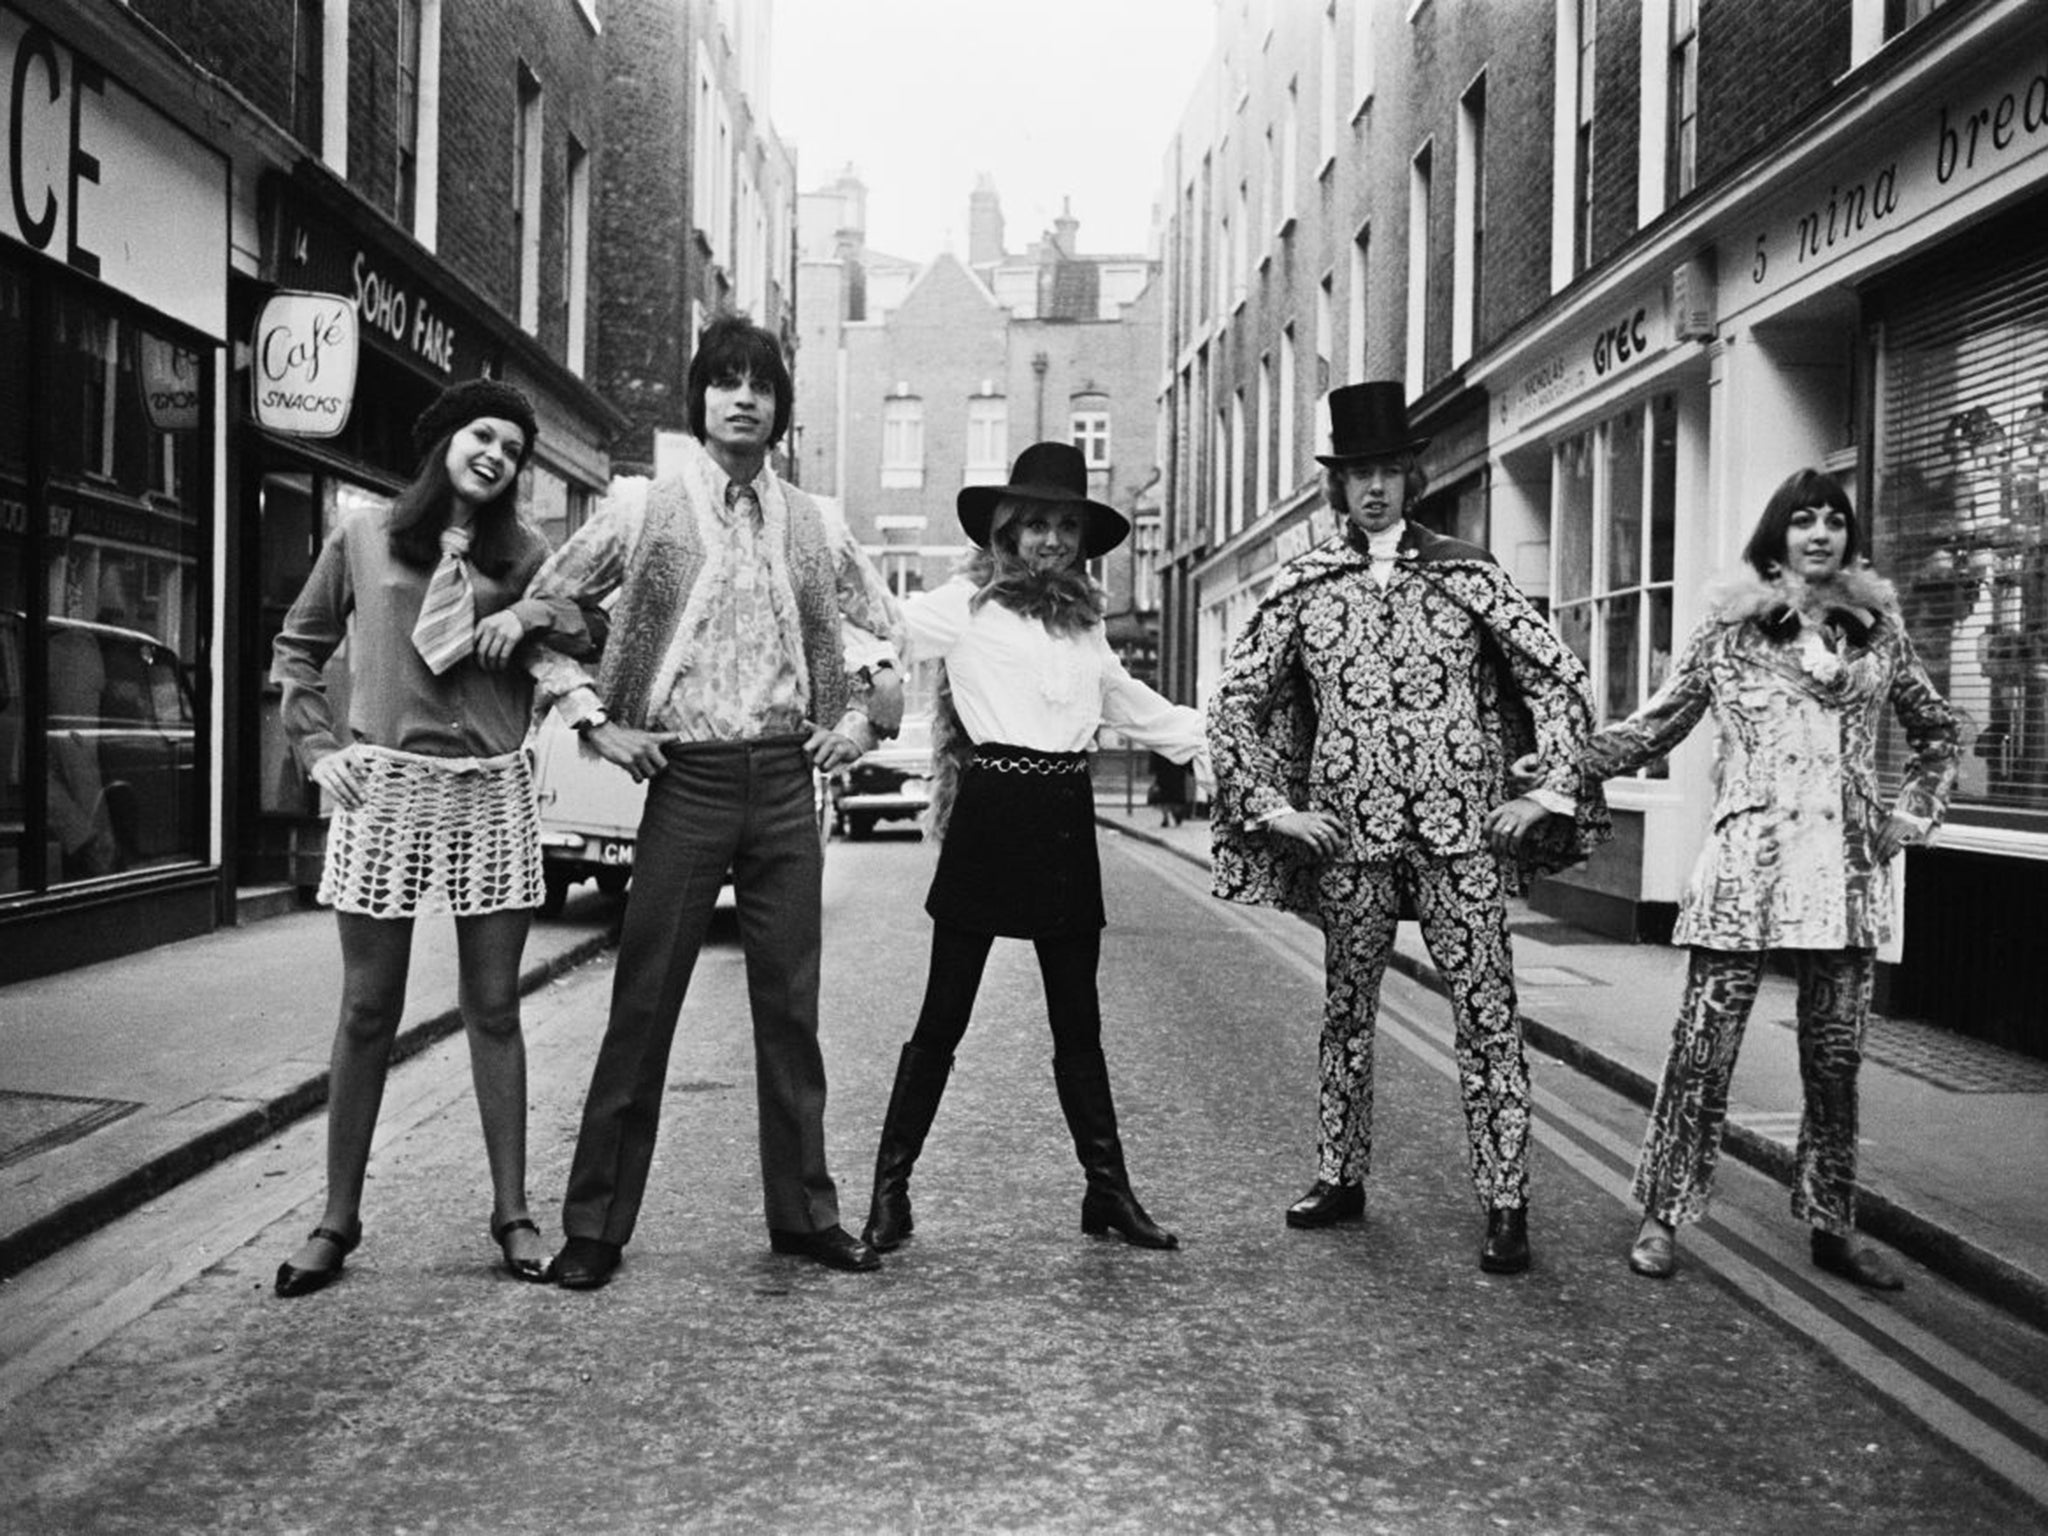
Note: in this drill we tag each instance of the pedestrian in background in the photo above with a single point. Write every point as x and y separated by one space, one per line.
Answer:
432 790
1169 788
725 683
1798 660
1029 678
1367 715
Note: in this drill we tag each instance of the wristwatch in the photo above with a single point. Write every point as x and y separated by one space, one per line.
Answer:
592 721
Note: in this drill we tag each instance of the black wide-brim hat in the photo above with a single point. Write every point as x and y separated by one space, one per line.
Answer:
1048 472
472 400
1369 421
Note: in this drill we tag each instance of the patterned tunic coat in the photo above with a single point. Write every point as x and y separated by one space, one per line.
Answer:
1789 863
1395 710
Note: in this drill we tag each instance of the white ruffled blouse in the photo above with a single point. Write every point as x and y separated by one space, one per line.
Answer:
1016 682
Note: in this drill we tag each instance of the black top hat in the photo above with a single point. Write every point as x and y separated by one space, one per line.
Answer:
1369 421
1053 472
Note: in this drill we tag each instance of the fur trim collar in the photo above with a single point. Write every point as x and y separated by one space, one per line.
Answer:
1743 594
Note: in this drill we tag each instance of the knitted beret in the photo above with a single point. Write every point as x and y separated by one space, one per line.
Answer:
460 404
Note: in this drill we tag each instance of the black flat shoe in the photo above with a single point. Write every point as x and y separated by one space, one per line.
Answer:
519 1269
292 1281
1859 1266
1326 1203
1506 1249
835 1248
584 1264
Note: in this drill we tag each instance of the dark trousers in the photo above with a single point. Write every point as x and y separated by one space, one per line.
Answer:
745 806
1067 965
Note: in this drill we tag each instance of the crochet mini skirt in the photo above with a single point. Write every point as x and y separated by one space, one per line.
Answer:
436 834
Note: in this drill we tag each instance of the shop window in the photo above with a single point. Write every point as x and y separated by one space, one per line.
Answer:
1614 521
1960 516
103 544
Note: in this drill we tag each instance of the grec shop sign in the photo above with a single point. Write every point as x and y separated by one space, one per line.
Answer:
1631 331
101 181
400 309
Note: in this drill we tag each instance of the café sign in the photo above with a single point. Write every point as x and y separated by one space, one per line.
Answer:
303 366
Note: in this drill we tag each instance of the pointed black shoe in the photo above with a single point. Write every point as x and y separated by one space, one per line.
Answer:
913 1104
292 1281
1327 1203
835 1248
1506 1249
584 1264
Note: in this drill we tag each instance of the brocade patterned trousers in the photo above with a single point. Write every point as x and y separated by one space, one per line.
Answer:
1675 1174
1463 911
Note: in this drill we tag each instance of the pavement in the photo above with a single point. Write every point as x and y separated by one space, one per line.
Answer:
1954 1158
119 1080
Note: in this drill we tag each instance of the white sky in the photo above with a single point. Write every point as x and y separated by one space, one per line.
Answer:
1052 98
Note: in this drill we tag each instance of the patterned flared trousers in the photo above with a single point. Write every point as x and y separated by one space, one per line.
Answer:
1462 907
1675 1174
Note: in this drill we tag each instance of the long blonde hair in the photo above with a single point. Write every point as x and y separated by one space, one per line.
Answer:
1067 601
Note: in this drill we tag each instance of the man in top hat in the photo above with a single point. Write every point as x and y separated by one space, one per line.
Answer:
1361 736
725 682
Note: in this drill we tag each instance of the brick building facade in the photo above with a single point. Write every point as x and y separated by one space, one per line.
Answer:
699 202
913 382
1635 262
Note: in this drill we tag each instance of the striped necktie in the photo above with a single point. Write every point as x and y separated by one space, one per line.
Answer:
446 631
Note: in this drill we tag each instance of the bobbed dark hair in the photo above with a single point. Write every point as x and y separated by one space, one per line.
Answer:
1765 550
731 346
1412 476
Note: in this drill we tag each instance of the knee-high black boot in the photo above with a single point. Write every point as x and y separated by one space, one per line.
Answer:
1109 1204
920 1084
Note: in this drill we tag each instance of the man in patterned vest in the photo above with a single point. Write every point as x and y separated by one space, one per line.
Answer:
1361 734
724 683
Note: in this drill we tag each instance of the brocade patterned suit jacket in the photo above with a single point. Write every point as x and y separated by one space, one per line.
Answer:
1396 710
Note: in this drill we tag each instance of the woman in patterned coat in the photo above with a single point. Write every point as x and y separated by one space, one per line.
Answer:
1798 661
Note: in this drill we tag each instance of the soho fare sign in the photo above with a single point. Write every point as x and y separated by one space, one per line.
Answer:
304 364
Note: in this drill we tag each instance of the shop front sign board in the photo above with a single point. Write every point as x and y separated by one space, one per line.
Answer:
1617 341
403 312
101 181
1981 131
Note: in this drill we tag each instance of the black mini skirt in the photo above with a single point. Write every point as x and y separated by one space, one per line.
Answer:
1019 858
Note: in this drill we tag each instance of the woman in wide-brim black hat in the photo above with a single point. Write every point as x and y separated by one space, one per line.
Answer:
1028 680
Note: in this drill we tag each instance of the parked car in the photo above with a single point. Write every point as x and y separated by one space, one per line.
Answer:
122 782
590 815
892 783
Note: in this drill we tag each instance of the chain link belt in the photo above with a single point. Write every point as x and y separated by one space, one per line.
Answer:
1048 763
